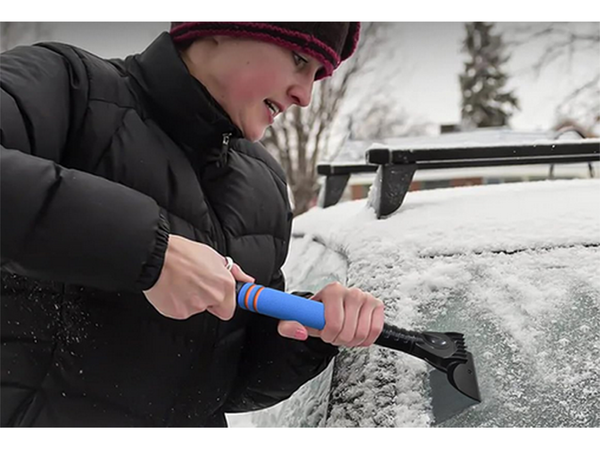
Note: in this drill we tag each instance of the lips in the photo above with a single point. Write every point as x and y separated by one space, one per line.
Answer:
273 107
270 116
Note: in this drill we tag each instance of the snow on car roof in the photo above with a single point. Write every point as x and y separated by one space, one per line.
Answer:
507 217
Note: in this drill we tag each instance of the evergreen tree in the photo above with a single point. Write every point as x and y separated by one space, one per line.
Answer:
485 102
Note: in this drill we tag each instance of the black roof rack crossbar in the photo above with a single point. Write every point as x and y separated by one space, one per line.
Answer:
424 165
344 169
395 168
510 152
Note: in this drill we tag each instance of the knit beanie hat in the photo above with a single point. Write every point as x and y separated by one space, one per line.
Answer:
330 43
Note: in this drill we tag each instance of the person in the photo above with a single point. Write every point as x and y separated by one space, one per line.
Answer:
127 189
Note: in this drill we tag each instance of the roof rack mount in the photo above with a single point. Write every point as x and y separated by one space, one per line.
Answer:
395 169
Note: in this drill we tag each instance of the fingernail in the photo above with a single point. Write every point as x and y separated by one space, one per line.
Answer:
300 334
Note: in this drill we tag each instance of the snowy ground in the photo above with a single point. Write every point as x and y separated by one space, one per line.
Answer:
515 267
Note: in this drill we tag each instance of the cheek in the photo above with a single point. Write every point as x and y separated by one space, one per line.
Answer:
257 86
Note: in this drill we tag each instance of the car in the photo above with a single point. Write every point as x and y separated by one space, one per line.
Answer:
514 267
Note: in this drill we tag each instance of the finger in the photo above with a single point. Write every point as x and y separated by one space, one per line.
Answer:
223 312
363 327
332 298
225 309
292 330
313 332
240 275
377 322
353 302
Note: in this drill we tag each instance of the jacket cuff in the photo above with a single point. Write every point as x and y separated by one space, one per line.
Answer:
321 348
153 267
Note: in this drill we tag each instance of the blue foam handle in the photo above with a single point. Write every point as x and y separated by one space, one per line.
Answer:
280 305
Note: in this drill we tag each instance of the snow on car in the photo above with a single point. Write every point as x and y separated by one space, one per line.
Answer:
515 267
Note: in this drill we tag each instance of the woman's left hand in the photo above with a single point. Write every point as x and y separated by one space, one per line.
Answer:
353 318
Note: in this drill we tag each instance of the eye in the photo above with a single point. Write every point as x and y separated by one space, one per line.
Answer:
299 60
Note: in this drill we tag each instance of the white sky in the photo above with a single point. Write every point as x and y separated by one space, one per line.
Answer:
430 60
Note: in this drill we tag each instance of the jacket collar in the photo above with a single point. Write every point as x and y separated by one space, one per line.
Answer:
178 102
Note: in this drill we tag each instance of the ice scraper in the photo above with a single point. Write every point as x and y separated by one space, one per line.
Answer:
446 352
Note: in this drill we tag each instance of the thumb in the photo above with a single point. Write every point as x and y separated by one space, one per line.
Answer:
292 330
240 275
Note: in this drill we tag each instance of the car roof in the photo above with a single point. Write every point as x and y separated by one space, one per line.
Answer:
496 218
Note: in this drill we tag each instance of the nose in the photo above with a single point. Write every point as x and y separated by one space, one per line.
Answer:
301 90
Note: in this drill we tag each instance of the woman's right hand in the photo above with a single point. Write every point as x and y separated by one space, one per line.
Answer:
194 279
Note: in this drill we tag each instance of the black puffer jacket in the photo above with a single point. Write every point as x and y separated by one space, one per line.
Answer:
101 160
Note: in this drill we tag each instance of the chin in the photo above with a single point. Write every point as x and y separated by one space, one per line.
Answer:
254 135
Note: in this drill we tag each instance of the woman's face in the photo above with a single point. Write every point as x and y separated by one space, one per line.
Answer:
253 81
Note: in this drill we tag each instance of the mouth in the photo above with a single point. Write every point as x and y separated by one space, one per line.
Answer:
274 108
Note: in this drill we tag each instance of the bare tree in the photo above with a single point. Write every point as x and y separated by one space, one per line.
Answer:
565 44
382 120
18 33
301 137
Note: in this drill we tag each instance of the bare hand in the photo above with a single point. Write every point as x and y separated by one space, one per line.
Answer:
194 279
353 318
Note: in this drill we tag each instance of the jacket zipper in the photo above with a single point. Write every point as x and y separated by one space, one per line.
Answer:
224 149
225 143
219 236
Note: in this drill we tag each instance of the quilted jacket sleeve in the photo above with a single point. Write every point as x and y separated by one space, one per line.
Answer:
58 223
